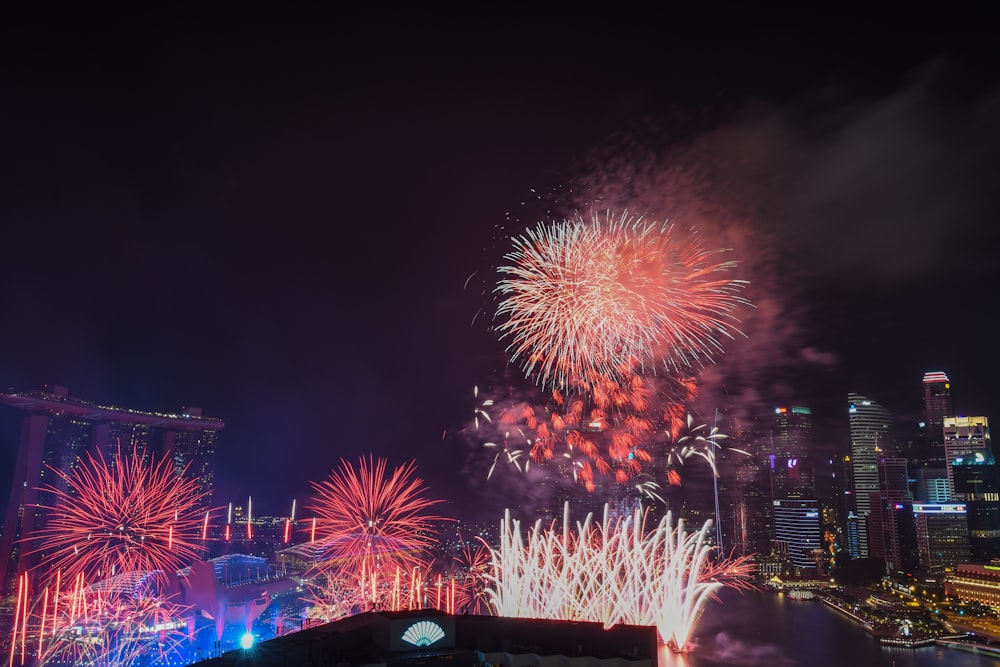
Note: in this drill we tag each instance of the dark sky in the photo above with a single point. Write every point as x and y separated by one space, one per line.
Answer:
273 215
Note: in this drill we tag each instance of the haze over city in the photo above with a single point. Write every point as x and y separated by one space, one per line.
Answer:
294 221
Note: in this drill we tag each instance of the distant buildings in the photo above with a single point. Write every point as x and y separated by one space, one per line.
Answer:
57 429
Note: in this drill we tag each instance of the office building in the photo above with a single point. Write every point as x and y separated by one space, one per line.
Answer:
942 537
978 486
963 436
793 432
58 429
870 429
797 531
937 405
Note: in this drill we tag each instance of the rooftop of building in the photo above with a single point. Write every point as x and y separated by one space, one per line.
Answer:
431 637
58 400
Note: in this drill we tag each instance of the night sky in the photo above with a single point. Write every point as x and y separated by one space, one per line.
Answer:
291 220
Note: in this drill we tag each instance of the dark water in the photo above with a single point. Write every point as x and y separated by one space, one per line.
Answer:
768 630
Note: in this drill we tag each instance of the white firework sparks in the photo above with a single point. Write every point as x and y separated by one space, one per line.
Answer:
611 573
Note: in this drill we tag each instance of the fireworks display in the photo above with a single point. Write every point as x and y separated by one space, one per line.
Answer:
611 318
613 572
611 431
605 299
371 523
121 621
121 516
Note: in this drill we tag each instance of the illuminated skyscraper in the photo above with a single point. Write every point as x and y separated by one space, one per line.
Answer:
978 486
870 427
942 537
797 531
793 432
57 429
937 404
963 436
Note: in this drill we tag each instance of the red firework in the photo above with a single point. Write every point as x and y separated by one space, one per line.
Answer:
128 515
607 429
372 524
611 298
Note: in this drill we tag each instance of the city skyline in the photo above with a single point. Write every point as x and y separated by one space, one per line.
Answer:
295 225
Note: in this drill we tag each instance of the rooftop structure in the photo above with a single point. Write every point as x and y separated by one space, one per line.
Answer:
430 637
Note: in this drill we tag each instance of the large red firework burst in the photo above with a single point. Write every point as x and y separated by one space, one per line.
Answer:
611 297
122 516
372 523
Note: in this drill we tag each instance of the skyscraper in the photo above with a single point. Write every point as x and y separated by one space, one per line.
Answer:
791 463
977 484
57 429
937 404
797 531
942 537
963 436
870 427
793 431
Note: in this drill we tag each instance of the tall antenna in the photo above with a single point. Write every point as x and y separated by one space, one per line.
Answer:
715 484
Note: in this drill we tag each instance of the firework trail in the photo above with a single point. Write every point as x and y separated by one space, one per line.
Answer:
119 517
613 572
610 298
373 527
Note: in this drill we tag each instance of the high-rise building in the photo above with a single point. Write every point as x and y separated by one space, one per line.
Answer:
870 428
977 484
797 531
942 537
963 436
790 460
891 518
793 432
58 429
931 485
937 404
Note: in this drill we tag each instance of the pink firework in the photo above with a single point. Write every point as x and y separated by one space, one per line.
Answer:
612 297
373 524
128 515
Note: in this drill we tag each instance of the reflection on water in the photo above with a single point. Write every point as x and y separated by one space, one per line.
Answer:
751 629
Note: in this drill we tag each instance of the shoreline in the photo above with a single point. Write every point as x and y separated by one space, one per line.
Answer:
967 642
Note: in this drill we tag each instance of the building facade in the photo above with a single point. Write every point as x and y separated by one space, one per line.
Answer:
797 532
963 436
937 404
942 537
870 429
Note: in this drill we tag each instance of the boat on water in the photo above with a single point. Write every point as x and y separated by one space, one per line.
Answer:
801 594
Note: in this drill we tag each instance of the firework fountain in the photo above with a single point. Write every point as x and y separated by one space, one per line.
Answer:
612 572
